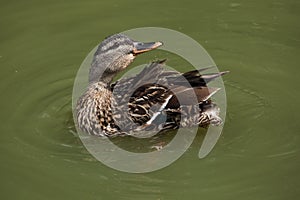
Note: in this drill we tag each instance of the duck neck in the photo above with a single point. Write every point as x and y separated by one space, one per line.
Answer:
106 77
100 73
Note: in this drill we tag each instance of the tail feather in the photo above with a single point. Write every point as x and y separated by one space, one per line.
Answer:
190 96
196 79
209 77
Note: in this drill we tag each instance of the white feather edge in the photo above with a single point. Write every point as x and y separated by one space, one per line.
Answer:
159 111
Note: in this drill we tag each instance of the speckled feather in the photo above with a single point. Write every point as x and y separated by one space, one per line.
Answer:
112 112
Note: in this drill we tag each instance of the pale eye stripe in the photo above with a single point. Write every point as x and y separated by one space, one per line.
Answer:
112 43
113 50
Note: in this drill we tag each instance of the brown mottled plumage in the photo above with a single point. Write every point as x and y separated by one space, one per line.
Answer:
152 100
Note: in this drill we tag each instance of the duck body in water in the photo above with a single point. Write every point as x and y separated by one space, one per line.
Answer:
153 100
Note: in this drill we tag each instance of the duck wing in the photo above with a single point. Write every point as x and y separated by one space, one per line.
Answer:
156 98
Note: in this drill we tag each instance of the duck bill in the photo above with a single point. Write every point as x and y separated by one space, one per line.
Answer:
140 47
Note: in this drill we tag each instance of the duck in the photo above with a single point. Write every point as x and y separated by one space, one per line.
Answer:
153 100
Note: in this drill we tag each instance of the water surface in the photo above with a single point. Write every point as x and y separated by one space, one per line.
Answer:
42 44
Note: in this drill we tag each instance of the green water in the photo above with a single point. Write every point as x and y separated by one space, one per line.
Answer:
42 44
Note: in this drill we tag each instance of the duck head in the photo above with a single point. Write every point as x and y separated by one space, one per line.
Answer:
114 54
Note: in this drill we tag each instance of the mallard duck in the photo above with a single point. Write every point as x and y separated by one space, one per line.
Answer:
153 100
